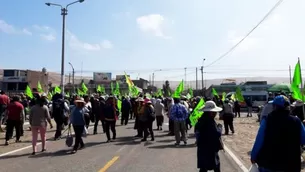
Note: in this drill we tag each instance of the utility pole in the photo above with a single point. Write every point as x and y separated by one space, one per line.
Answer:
202 78
196 78
153 79
73 74
185 75
64 12
290 74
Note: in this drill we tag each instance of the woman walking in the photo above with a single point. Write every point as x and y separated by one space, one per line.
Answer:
39 117
77 120
159 109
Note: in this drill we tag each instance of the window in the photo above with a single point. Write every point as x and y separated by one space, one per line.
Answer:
259 98
12 86
8 73
22 86
23 73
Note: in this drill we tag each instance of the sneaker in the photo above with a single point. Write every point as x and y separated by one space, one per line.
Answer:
143 140
177 144
185 142
33 153
6 143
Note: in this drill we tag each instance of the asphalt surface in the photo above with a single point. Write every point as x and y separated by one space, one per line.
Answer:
126 154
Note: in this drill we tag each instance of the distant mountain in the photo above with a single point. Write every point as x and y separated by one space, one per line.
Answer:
208 83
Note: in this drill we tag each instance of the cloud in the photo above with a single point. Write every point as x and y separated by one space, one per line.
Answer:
45 32
10 29
48 37
152 23
75 43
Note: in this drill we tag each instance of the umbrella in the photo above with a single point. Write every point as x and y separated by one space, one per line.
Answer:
284 87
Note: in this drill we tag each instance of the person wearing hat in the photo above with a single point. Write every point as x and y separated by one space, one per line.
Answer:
147 119
208 137
77 120
139 112
279 139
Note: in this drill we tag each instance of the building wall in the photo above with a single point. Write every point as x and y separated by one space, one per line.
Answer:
34 76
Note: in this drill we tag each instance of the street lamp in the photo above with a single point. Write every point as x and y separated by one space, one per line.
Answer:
153 76
64 12
202 81
73 73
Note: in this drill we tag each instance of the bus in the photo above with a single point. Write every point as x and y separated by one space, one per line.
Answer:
258 98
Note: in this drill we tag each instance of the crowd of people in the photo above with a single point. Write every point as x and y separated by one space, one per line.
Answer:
281 129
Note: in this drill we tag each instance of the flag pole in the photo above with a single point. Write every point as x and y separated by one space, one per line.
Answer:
302 89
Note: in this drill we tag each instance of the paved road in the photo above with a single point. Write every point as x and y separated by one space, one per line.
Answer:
126 154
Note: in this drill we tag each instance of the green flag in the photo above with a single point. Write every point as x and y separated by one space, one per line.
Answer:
84 88
297 76
179 90
223 98
238 95
214 92
39 88
191 92
197 112
28 92
57 89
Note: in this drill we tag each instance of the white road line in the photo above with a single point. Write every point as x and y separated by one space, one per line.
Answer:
166 123
27 147
234 157
123 147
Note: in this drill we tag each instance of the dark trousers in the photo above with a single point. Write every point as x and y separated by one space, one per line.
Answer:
87 120
147 129
228 123
110 125
237 112
59 127
125 117
96 124
10 126
171 126
78 130
138 127
159 120
217 169
21 128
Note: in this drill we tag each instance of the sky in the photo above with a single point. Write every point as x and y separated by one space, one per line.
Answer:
166 37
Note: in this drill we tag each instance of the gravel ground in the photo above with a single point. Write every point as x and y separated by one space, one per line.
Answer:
242 141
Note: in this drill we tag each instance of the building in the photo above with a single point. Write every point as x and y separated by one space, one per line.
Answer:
141 83
15 80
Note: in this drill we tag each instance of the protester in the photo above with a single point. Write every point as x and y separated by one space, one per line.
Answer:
110 118
208 136
77 120
179 114
15 115
160 110
39 117
279 139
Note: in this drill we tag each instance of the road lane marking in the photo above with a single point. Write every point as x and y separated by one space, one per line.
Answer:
234 157
123 147
27 147
109 164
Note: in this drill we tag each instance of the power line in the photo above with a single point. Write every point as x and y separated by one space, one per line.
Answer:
236 45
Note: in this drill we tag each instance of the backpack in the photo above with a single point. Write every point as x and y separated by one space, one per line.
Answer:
152 115
58 109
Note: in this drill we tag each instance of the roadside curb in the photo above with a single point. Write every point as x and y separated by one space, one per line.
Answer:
234 157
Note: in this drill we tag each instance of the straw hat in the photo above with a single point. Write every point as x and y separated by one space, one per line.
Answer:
210 106
81 100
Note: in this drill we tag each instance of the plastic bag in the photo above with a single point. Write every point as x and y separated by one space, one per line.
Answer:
253 168
69 139
85 132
